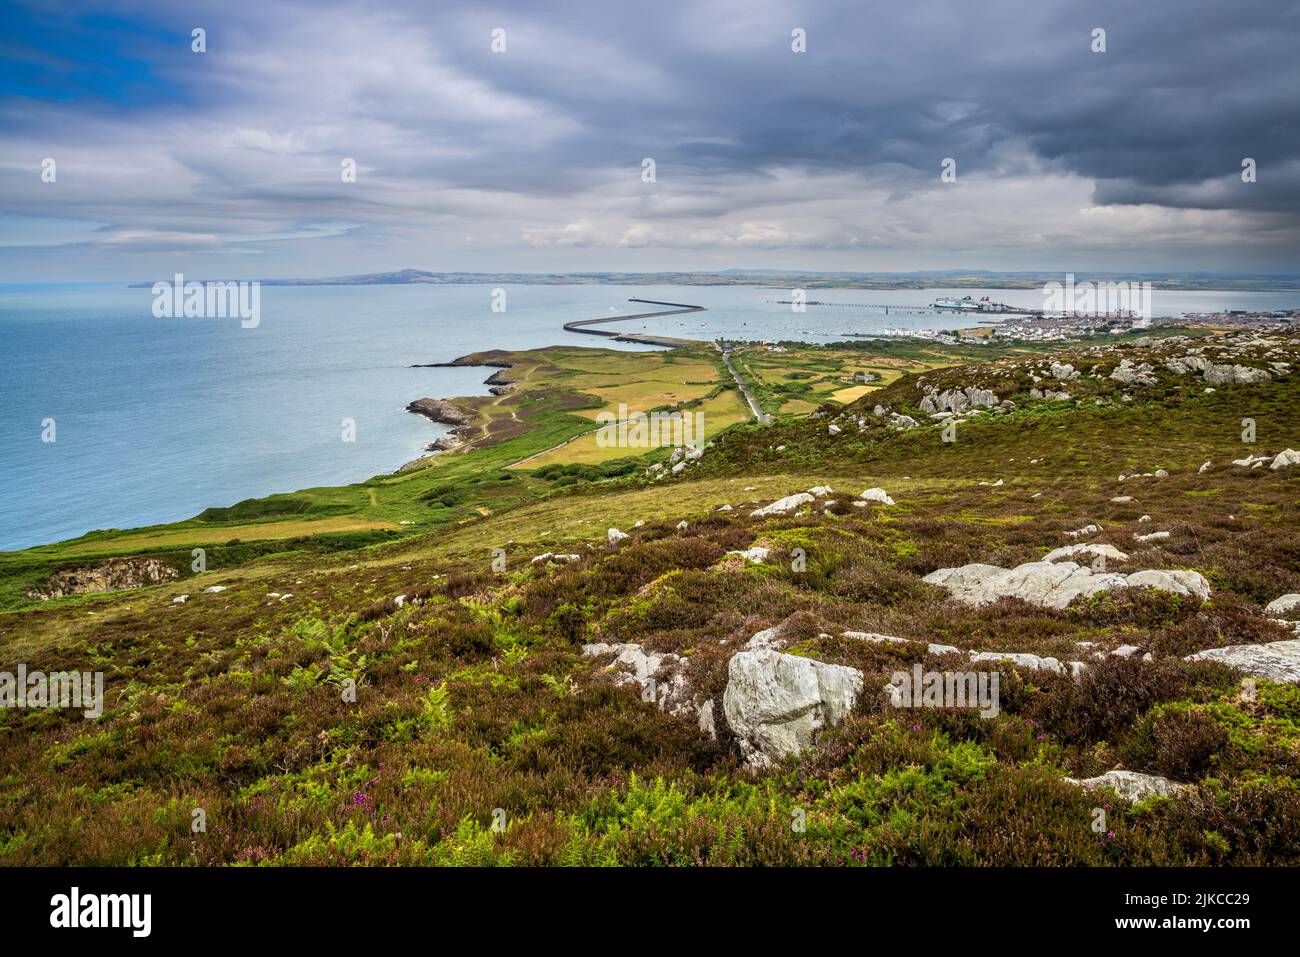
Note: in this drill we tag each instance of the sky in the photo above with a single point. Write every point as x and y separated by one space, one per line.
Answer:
514 137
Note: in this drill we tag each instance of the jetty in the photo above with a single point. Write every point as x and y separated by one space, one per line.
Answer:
996 308
584 325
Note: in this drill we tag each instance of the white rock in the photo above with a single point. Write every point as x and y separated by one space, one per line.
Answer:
757 554
660 674
1285 460
1048 584
784 506
1131 785
1274 660
214 589
1121 499
180 599
1233 374
1086 530
399 601
874 637
1280 606
1251 461
1205 468
1152 537
615 536
704 717
821 491
1177 580
559 557
1096 550
1054 584
1020 658
683 524
934 649
876 495
769 639
776 704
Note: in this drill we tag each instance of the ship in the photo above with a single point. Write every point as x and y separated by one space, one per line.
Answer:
964 304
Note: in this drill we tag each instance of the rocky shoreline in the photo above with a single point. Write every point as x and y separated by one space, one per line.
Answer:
445 412
450 411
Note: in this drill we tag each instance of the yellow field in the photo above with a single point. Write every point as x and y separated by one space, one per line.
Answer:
201 535
643 380
852 392
720 412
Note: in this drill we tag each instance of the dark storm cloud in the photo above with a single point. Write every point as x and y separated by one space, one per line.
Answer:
546 140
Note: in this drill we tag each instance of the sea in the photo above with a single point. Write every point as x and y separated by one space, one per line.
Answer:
154 419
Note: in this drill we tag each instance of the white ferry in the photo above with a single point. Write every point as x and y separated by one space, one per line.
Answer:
964 304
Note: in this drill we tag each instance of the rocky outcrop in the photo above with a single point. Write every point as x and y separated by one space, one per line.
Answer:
441 411
110 576
661 677
776 704
1055 584
876 495
955 401
1130 374
1132 786
1274 660
1233 375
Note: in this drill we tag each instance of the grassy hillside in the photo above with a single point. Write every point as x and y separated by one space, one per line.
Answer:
480 733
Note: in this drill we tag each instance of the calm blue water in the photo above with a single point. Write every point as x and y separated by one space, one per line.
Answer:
158 419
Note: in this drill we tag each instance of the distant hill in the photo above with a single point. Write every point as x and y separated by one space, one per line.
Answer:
807 279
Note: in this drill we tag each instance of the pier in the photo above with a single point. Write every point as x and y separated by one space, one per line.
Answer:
581 325
998 309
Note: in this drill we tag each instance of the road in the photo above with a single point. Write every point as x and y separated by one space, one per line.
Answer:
759 414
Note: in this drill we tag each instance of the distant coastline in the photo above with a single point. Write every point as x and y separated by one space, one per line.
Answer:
778 278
